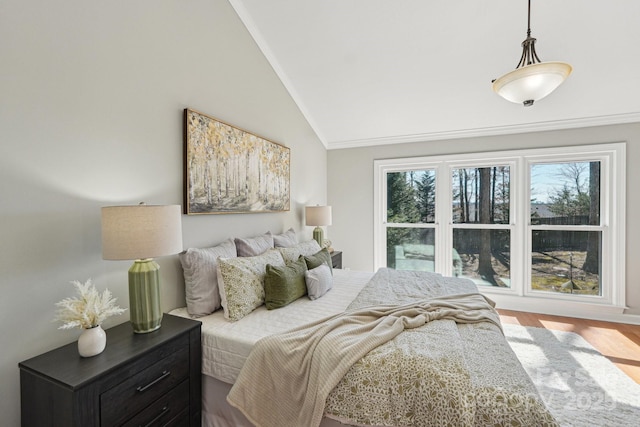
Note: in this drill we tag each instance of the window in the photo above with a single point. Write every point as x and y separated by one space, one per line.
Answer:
565 230
410 215
480 210
538 224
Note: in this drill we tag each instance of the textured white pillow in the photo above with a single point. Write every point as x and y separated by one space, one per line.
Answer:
241 282
286 239
307 248
319 280
201 277
255 245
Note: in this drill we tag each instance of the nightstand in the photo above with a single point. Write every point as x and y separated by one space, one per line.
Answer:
139 379
336 259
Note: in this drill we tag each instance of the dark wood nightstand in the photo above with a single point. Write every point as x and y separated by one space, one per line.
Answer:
139 379
336 259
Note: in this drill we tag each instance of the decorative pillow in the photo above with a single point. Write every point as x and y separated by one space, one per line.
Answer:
255 245
307 248
242 282
201 278
319 258
286 239
283 285
318 281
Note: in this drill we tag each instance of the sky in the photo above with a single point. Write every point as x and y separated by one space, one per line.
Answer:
548 178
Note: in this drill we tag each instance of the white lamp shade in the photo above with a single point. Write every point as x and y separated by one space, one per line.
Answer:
532 82
141 231
318 215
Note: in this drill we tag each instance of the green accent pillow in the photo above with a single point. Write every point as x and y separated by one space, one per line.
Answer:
283 285
319 258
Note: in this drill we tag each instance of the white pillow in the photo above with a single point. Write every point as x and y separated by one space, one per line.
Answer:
241 282
255 245
286 239
200 268
307 248
319 280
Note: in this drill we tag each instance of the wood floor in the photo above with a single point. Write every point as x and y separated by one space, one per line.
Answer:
619 342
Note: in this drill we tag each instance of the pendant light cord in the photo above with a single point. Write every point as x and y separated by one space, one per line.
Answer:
529 20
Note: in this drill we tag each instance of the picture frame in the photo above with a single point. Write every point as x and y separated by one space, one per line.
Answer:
229 170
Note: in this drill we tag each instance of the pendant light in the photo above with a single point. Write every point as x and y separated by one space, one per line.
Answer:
532 79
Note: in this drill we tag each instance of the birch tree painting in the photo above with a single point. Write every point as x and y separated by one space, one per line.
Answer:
228 170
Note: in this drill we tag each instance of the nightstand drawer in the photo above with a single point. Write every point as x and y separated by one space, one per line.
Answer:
134 394
170 407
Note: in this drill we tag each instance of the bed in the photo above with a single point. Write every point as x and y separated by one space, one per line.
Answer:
443 372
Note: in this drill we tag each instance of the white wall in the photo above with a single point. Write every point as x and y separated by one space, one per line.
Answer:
350 175
91 114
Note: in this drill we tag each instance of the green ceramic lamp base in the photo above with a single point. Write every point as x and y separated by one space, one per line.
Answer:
144 296
318 236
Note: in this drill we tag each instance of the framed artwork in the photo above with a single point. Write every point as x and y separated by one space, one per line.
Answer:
229 170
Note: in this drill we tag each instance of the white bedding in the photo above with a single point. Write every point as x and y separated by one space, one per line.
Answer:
456 370
226 345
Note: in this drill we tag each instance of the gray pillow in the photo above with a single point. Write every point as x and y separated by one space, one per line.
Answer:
318 281
286 239
255 245
292 253
201 279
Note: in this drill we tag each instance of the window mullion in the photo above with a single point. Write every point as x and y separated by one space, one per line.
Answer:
444 219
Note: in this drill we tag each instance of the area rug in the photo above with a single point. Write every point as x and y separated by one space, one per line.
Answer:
579 385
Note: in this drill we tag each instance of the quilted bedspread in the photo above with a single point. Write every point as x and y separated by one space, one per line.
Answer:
413 349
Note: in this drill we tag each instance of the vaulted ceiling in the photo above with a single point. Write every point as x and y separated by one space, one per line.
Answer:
367 72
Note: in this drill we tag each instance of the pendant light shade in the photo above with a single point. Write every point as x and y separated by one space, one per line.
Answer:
532 79
531 83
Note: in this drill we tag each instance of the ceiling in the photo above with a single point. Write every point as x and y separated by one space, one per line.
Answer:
369 72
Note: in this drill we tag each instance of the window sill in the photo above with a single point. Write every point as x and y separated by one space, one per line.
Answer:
556 307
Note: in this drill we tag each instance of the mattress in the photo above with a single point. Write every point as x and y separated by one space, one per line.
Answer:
226 345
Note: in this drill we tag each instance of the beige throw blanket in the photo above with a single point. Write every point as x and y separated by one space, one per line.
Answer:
287 377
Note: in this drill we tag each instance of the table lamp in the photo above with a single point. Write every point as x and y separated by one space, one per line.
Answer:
318 216
141 233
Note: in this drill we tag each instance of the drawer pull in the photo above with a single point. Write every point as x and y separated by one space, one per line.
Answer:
164 375
164 411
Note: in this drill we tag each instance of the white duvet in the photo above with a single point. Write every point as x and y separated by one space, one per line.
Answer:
226 344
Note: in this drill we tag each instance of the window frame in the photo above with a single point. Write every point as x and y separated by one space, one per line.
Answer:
520 296
606 191
380 215
510 225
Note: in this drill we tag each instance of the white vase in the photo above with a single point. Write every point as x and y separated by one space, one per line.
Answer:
92 341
